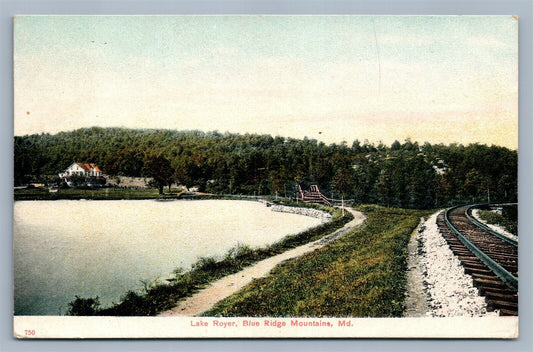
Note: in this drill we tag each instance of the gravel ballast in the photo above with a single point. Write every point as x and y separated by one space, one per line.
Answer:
449 291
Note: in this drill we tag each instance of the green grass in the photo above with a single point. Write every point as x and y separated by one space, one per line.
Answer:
125 193
363 274
92 194
206 270
494 218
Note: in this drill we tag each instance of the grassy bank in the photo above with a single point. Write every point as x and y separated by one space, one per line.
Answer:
92 194
507 223
122 193
206 270
363 274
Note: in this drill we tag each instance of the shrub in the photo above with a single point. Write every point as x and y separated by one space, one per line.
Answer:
361 274
84 306
208 269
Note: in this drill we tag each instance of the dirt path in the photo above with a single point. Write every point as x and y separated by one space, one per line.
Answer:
220 289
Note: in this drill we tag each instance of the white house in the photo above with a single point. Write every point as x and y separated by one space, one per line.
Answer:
82 169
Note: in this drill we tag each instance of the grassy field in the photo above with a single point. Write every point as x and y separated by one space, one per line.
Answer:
501 220
206 270
122 193
93 194
363 274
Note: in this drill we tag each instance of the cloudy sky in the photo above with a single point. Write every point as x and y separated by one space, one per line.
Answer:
332 78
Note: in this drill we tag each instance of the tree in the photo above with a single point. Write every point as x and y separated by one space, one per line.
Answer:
343 183
159 168
84 306
77 180
443 191
384 187
404 174
421 189
396 146
472 184
278 180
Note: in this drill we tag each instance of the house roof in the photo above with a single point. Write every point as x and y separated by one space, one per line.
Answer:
89 167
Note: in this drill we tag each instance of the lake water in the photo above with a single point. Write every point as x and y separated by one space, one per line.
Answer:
105 248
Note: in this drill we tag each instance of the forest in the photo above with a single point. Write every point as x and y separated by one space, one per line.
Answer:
405 174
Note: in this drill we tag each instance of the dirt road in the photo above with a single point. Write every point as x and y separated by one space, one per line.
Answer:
226 286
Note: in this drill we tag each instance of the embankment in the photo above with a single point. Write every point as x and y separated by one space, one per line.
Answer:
315 213
360 274
185 283
226 286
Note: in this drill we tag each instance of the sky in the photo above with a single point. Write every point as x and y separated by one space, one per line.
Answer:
437 79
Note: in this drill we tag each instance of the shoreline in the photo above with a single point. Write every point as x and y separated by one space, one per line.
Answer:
171 289
305 211
207 297
324 216
165 271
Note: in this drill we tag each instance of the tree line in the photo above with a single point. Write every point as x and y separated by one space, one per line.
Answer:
405 174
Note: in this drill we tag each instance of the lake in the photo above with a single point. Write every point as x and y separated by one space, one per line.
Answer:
105 248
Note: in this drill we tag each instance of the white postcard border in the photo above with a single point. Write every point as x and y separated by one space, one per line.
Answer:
213 327
20 322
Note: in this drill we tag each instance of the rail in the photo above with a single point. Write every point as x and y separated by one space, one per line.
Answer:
485 227
509 279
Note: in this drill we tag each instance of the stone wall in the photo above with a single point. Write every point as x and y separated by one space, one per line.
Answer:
315 213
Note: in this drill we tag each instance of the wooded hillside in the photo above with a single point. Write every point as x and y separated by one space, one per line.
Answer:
404 174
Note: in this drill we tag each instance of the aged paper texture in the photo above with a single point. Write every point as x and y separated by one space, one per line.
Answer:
265 176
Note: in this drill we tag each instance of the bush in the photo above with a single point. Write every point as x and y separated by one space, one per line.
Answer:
84 306
208 269
501 220
362 274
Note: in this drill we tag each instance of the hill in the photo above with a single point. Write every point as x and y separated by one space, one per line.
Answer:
407 174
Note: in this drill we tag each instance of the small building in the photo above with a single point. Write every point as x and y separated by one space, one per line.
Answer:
91 173
82 169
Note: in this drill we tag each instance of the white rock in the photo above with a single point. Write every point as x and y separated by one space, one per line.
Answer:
451 292
498 229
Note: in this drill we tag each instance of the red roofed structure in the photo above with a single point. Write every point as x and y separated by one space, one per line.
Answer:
82 169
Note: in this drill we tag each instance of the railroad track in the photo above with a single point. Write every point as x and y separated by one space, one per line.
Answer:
492 261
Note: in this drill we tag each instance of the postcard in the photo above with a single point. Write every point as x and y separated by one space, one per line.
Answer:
265 176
